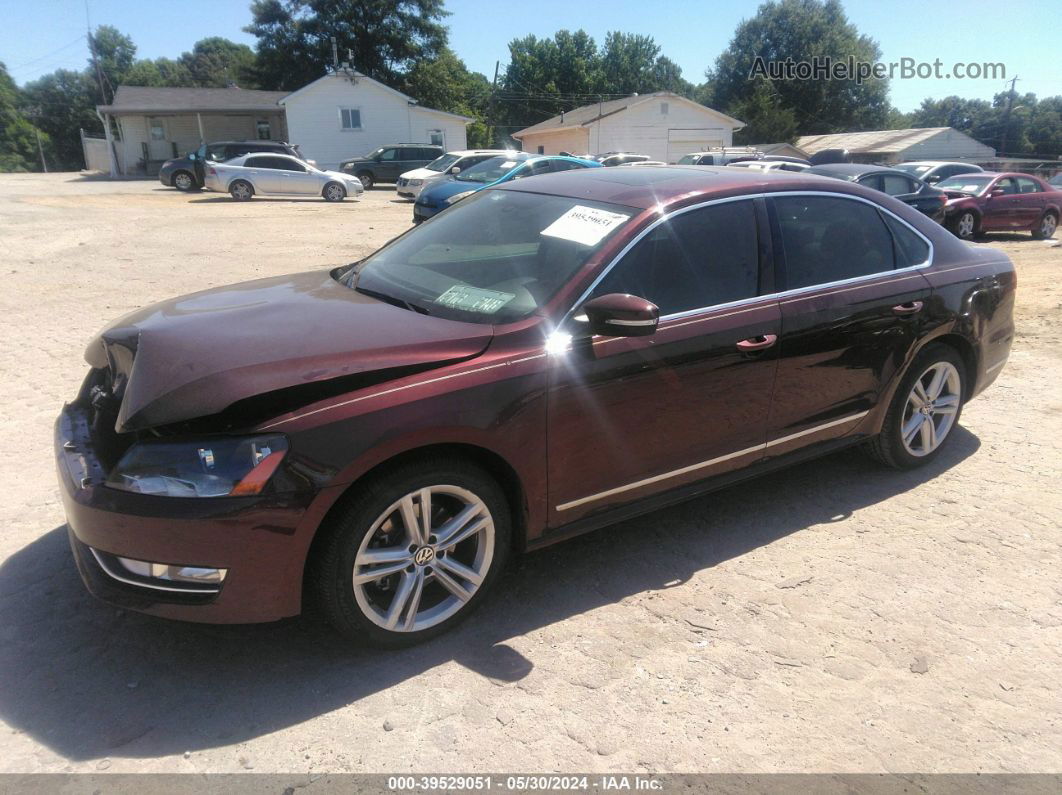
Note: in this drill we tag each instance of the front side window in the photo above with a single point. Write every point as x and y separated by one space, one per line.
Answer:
687 160
695 259
496 257
829 239
387 155
1007 185
350 118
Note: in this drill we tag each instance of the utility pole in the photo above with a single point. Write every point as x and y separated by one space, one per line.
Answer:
490 107
40 148
1006 117
335 56
92 51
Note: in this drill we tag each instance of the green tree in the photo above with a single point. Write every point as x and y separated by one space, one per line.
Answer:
60 104
115 53
802 30
631 62
216 62
446 84
766 119
160 72
18 137
547 76
386 38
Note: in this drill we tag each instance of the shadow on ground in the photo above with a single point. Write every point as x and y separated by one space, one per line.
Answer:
87 680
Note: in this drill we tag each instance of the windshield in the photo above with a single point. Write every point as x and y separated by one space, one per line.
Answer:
490 170
912 169
965 183
686 160
495 258
442 163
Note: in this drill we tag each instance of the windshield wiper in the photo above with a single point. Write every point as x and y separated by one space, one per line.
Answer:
390 299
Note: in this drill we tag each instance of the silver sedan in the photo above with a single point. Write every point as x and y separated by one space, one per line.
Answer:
284 175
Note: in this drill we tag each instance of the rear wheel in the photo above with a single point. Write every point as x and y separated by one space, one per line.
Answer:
334 192
182 180
414 552
241 190
964 226
924 411
366 178
1046 228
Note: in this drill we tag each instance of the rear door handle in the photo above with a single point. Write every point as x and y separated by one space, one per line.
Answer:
758 343
907 309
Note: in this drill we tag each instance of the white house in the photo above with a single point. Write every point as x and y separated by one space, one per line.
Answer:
898 146
663 125
345 115
156 124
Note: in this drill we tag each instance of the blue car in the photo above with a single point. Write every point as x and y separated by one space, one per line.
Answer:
503 168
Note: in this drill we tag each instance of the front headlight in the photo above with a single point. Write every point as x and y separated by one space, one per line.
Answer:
415 182
457 197
221 467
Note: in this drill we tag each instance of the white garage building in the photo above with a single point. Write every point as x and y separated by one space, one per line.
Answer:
663 125
346 115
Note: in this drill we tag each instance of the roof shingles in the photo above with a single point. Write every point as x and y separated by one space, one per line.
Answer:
147 99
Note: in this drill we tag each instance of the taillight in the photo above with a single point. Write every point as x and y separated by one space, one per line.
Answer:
213 171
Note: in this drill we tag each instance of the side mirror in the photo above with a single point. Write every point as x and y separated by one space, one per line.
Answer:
455 170
997 192
933 179
620 315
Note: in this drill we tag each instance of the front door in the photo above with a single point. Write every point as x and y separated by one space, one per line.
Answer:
389 165
159 147
634 416
1001 212
851 312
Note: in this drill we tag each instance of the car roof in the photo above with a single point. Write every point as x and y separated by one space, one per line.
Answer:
498 152
853 169
653 186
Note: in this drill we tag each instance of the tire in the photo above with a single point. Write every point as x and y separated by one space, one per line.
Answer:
373 522
965 225
1045 227
241 190
367 179
889 447
334 192
183 181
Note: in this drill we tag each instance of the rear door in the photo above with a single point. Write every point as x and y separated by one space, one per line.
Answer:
851 311
630 417
1032 202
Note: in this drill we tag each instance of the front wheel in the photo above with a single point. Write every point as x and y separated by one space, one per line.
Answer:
1045 230
924 411
964 226
414 552
182 180
366 178
334 192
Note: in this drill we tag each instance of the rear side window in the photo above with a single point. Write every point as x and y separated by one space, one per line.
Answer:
910 248
1027 185
827 239
895 185
697 259
566 165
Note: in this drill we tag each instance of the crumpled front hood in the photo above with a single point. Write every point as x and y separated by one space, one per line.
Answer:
196 355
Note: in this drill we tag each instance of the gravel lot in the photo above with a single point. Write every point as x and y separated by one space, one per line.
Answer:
836 617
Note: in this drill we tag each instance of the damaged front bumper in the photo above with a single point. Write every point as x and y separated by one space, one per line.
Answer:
216 560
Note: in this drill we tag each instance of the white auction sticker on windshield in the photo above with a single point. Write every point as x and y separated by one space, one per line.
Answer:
586 225
508 164
474 299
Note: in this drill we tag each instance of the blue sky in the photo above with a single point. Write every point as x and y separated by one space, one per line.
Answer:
38 36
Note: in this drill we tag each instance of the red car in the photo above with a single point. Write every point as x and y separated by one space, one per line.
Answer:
544 358
1000 202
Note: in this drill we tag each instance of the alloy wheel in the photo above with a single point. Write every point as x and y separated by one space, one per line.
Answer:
1048 226
182 181
966 225
931 409
423 558
334 192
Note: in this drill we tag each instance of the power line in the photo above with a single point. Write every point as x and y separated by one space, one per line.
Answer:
46 55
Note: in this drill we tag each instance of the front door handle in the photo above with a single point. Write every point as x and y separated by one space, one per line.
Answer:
907 309
757 343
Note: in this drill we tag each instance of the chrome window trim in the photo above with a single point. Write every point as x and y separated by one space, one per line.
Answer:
759 448
776 296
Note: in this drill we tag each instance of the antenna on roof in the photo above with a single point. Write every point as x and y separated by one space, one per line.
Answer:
335 56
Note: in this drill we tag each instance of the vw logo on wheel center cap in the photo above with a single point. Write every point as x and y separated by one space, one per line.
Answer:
424 556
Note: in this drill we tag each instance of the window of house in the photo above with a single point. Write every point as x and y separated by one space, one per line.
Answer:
262 130
158 130
350 118
697 259
828 239
542 150
435 137
663 108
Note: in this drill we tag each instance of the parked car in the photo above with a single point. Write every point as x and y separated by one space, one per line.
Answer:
514 165
413 182
548 357
189 172
769 165
1056 181
1001 202
720 157
933 171
910 190
619 158
644 163
283 175
825 157
388 163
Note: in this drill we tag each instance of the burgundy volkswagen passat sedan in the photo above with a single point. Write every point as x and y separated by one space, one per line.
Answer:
542 359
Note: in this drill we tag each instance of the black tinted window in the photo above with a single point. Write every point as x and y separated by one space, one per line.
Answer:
895 185
697 259
910 248
827 240
566 165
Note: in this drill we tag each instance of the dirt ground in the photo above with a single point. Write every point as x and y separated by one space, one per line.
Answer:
835 617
